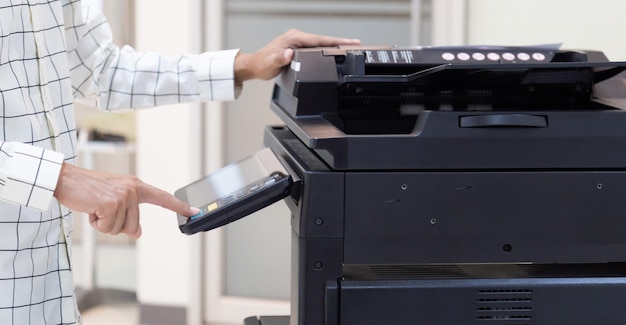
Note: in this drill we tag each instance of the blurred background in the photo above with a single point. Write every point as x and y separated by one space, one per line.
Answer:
241 270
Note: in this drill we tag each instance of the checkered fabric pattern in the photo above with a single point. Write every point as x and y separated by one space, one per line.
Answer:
52 52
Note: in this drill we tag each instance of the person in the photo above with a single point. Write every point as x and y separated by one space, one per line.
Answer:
51 53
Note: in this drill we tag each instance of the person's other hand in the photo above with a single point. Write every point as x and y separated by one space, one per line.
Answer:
112 201
267 62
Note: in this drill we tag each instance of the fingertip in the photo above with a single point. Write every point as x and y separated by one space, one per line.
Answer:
136 234
351 41
188 211
287 55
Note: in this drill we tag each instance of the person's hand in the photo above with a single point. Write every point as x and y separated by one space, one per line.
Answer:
267 62
112 201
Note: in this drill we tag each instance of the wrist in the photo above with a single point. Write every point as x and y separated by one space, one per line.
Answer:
243 68
63 173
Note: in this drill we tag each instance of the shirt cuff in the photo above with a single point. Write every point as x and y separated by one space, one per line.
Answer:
30 176
216 75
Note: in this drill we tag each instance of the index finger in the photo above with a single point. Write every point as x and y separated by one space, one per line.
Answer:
320 40
304 39
152 195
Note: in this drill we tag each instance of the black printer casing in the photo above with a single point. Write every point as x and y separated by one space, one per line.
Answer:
452 213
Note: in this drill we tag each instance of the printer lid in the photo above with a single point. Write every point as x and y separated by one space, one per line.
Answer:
355 105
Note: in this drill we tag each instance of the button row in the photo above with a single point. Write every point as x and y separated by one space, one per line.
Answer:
493 56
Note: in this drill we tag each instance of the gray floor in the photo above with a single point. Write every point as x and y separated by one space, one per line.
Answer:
118 314
122 314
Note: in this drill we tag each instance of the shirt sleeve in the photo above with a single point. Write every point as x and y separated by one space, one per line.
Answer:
28 174
124 78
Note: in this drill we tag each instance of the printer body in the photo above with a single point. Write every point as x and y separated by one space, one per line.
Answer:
454 185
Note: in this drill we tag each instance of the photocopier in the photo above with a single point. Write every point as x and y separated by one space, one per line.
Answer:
453 185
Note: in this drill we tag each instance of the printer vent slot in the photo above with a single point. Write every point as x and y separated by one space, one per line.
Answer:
418 272
481 271
504 306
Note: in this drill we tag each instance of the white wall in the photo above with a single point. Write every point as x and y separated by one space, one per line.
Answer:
578 24
168 156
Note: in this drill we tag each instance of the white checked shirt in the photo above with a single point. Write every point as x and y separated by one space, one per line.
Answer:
52 52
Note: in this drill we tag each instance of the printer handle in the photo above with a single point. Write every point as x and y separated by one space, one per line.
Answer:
503 120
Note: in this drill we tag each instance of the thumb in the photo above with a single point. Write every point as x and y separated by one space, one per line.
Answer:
287 56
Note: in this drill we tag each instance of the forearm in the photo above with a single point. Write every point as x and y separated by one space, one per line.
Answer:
131 79
125 78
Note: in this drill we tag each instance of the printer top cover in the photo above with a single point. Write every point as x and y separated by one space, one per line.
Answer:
456 108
